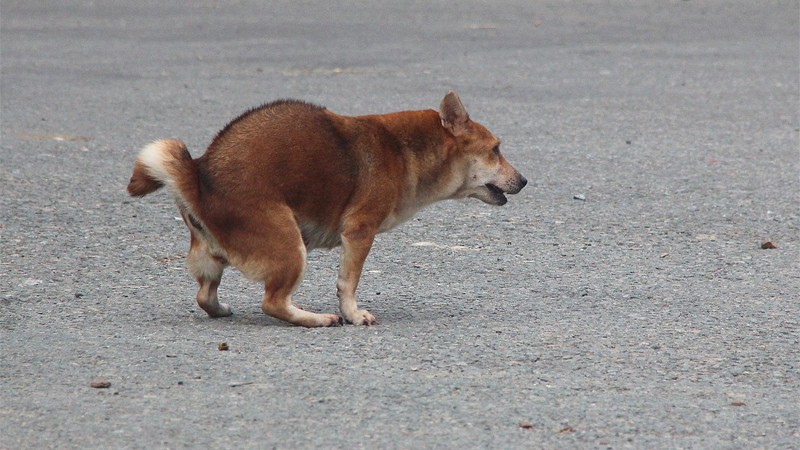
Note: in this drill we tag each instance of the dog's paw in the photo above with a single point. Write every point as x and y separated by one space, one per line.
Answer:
222 310
362 317
331 320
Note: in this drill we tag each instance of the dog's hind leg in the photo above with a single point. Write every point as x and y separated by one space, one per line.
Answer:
277 255
207 269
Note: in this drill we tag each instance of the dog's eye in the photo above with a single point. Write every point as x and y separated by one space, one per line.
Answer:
496 150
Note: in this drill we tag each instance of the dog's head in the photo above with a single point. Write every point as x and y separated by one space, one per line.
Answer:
486 174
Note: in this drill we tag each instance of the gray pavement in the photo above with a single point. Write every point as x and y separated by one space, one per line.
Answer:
645 316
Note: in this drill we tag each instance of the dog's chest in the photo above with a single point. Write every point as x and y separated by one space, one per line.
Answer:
396 218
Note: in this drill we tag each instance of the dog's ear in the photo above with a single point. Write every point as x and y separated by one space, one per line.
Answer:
452 113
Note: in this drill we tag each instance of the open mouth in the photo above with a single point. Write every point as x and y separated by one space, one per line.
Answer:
496 193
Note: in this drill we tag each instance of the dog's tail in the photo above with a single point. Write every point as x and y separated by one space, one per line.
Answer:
166 162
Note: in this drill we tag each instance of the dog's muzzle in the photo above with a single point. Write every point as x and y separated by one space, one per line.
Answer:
518 185
497 193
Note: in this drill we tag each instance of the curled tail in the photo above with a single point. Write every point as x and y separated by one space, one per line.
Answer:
166 162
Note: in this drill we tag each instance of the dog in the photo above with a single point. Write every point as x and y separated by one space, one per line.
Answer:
288 177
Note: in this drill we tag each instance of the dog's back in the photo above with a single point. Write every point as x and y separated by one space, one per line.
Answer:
289 152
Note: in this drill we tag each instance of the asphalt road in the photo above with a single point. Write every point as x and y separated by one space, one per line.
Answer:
644 316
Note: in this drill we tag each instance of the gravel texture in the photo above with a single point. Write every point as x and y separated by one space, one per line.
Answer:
643 315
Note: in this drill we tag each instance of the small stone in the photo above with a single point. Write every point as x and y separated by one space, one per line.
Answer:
580 197
223 347
737 403
567 430
100 384
768 245
525 425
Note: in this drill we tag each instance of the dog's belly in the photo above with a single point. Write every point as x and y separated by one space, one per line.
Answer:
316 236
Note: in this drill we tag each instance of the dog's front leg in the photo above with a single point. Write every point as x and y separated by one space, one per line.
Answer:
356 242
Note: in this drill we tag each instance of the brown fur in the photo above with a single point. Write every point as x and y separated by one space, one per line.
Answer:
141 183
289 177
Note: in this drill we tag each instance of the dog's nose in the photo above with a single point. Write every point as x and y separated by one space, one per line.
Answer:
522 182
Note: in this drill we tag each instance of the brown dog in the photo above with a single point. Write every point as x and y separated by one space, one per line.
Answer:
288 177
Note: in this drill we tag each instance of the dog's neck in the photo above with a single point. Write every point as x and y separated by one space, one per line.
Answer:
426 149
